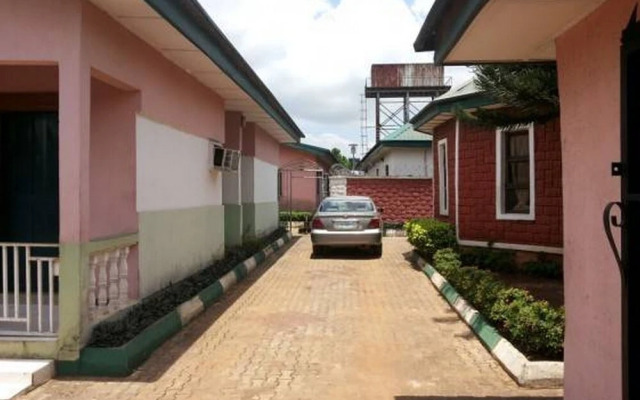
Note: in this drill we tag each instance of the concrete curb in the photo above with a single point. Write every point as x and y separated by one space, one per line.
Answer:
536 374
123 360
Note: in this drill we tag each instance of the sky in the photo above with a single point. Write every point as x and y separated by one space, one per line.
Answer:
315 55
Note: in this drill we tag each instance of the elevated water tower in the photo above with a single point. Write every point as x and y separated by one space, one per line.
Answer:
401 90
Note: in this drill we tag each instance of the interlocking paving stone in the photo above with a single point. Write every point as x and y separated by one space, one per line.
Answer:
346 326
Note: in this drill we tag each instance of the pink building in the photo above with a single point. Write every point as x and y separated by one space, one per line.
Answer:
595 44
519 211
303 176
109 112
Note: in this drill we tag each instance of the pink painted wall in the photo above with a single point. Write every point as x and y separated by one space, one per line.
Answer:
49 32
256 142
168 94
303 184
233 130
83 41
113 162
588 57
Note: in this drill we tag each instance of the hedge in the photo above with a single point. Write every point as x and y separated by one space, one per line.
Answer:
296 216
533 326
118 331
429 235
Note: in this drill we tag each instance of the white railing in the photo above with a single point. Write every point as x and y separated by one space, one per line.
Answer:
109 281
22 312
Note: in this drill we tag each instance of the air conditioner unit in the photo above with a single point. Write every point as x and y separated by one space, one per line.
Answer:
223 159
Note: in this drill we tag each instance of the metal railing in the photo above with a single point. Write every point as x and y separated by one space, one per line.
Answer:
26 268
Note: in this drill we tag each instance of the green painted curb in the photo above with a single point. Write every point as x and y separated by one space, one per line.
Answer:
123 360
539 374
210 294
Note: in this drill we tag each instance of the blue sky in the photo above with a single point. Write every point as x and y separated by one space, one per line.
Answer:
315 55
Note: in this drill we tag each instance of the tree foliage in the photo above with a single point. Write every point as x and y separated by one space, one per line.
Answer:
529 92
341 157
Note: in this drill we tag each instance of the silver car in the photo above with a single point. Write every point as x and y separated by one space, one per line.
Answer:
347 221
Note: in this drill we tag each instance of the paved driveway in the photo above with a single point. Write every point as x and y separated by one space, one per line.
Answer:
340 327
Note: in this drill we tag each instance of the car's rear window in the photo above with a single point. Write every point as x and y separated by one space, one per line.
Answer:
346 205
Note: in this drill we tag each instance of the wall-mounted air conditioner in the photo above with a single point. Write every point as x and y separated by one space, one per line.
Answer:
222 159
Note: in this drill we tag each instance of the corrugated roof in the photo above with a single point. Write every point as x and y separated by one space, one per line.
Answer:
463 89
406 133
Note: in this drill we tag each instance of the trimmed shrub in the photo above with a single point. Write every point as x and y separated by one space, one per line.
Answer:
489 258
296 216
430 235
544 267
533 325
447 262
119 330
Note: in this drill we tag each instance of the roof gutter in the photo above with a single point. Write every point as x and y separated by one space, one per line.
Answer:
445 24
190 19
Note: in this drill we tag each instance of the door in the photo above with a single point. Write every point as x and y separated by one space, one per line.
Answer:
29 209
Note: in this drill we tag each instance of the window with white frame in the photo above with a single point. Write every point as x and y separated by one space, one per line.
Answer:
443 177
515 173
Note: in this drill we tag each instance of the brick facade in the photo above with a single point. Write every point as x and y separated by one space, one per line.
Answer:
401 198
477 185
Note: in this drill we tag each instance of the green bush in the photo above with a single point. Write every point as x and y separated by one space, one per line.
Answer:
447 262
533 325
489 258
118 331
295 216
544 267
430 235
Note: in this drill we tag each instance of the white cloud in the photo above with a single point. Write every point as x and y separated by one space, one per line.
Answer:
315 55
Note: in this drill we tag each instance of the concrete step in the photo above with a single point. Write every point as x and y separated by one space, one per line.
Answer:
18 376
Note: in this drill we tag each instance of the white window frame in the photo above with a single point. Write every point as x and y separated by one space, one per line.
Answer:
500 171
443 190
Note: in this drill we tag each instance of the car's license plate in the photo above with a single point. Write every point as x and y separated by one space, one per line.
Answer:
345 225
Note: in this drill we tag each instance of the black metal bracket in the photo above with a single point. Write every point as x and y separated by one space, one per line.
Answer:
616 169
609 221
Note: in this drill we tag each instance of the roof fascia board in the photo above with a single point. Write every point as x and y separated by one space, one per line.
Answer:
435 108
445 24
190 19
323 153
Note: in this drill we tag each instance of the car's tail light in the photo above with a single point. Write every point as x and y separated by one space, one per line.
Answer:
317 224
374 223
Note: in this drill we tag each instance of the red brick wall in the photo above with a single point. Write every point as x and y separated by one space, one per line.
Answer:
445 131
401 199
477 210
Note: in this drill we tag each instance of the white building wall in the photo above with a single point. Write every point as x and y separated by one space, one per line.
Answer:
416 162
173 169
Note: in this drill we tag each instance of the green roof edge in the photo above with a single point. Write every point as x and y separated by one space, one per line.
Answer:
189 18
437 107
315 150
426 39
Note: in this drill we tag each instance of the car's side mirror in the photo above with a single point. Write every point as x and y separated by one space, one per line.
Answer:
380 210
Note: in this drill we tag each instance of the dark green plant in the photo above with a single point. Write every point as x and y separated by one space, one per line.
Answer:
118 331
544 267
447 262
489 258
430 235
296 216
529 92
534 325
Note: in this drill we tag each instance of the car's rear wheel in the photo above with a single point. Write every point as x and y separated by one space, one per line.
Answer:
377 251
317 250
